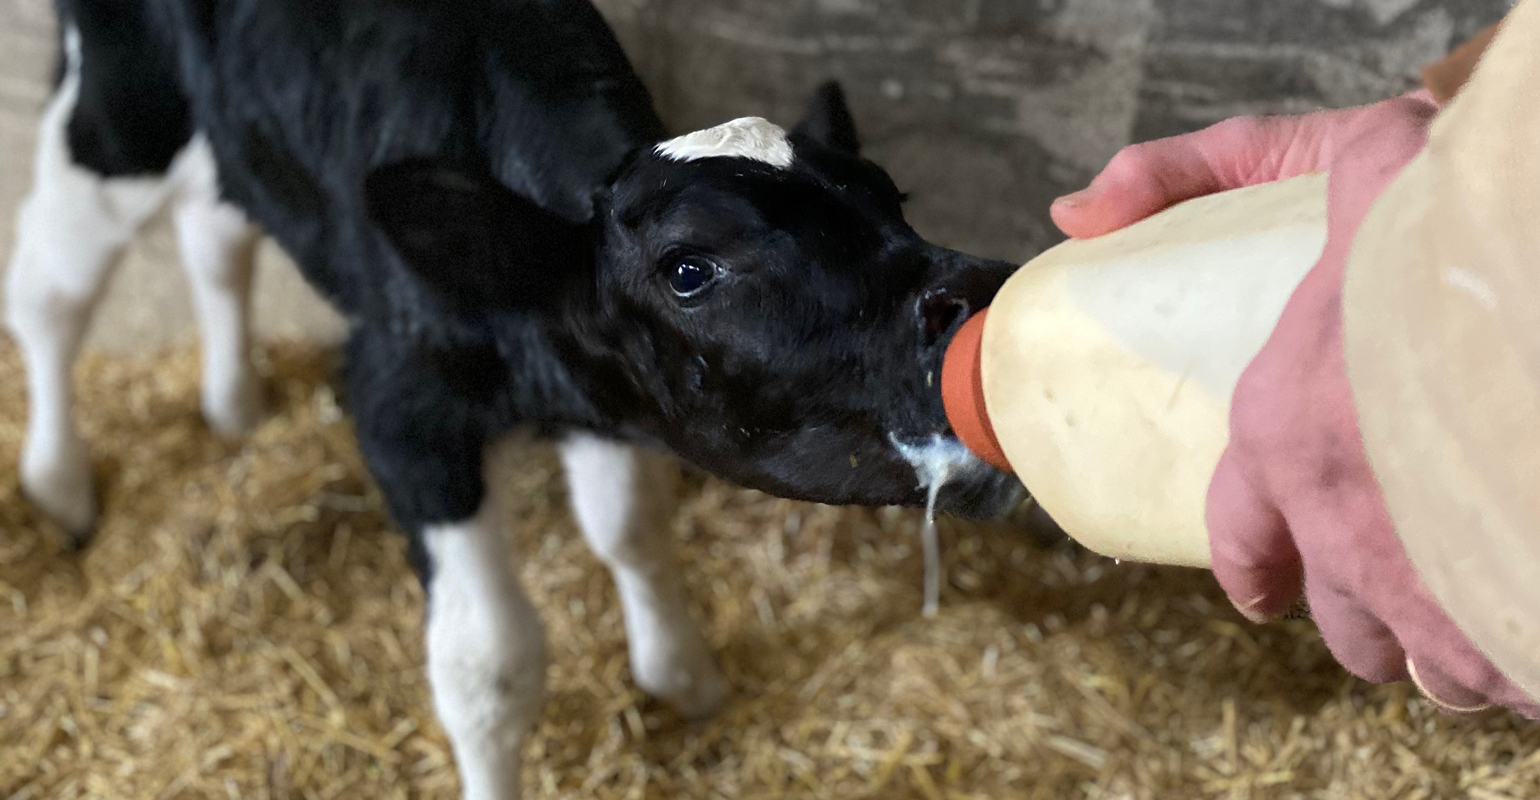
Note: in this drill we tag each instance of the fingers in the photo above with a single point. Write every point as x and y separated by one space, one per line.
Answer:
1445 666
1360 642
1148 177
1378 625
1378 618
1145 178
1252 553
1415 642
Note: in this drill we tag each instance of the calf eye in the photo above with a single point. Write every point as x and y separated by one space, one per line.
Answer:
690 275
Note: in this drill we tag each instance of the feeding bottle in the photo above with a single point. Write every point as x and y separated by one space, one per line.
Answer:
1102 372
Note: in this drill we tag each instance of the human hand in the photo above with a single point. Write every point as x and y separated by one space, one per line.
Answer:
1294 505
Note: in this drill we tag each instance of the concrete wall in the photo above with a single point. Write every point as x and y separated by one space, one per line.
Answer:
987 109
984 110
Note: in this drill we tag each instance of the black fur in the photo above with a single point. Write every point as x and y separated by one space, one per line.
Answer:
132 117
474 185
829 121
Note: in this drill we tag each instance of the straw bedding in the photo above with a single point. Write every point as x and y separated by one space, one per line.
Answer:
245 626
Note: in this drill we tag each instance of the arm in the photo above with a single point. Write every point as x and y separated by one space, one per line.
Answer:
1443 352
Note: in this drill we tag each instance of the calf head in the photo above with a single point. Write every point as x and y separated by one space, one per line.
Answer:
751 298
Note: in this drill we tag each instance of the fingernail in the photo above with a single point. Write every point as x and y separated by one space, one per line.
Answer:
1077 199
1250 610
1446 707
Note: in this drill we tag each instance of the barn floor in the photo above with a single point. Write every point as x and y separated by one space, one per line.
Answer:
245 626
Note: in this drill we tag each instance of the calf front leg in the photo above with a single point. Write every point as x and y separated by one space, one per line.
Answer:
484 641
486 651
623 498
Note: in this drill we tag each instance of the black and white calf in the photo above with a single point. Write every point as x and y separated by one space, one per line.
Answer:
483 188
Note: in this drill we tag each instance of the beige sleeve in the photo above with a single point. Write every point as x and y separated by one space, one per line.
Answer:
1442 329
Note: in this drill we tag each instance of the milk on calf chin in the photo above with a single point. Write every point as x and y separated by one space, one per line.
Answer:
935 462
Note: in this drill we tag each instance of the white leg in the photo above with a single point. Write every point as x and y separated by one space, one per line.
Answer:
623 498
218 245
71 231
486 650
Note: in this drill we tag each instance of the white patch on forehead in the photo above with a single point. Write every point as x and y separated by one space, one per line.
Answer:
749 137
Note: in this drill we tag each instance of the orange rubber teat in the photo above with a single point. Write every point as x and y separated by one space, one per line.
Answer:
962 393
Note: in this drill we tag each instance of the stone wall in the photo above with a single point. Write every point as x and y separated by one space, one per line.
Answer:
984 110
987 109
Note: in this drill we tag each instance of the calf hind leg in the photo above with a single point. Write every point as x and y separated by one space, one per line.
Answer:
623 498
218 246
71 230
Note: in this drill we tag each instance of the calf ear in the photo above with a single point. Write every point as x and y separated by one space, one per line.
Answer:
828 120
471 239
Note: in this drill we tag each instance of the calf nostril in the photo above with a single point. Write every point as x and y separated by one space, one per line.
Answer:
940 313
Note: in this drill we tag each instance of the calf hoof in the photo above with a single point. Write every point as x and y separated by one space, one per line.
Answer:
232 412
66 493
687 678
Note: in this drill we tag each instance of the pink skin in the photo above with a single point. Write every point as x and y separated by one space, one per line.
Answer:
1294 505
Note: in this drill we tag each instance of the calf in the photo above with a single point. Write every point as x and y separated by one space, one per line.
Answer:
484 190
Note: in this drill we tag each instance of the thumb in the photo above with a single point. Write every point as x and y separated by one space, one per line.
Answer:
1148 177
1252 554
